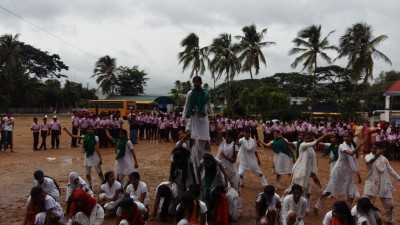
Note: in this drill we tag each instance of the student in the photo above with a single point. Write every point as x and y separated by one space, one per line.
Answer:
166 200
340 215
85 210
111 192
283 156
75 129
44 132
75 183
125 160
181 169
48 184
214 181
228 155
378 182
129 213
9 123
35 128
198 108
92 153
43 209
55 131
341 181
248 157
294 207
366 213
331 150
137 189
190 210
268 206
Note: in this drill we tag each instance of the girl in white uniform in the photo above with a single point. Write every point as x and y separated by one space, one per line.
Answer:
111 193
341 180
137 189
125 160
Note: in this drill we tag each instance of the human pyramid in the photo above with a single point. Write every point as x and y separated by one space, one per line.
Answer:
203 188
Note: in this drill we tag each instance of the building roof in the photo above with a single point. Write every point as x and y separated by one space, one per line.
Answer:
393 90
322 107
161 100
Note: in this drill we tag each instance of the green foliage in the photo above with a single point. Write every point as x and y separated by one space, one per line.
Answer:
131 81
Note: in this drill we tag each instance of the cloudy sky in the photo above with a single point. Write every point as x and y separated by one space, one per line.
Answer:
147 33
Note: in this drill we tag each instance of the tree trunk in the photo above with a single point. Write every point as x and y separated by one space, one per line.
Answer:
251 75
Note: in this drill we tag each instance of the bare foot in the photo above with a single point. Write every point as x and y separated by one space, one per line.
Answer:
315 211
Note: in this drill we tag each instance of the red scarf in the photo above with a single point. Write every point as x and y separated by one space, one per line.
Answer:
133 216
88 202
35 208
335 221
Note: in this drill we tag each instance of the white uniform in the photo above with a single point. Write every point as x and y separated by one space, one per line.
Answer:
341 180
136 194
93 160
305 165
49 203
247 159
126 164
231 169
108 193
300 208
282 163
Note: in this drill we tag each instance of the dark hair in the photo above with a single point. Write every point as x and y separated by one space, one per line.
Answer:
183 155
124 132
197 78
186 198
366 204
269 190
36 191
296 187
107 175
126 203
90 127
342 208
195 189
134 175
210 171
165 192
38 174
246 129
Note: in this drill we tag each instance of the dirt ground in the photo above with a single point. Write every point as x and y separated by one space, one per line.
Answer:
17 173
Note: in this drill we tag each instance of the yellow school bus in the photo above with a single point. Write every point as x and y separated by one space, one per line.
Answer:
123 106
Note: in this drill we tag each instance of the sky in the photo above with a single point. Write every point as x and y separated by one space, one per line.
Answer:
148 33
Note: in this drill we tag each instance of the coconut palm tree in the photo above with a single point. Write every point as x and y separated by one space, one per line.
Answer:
251 49
193 55
224 59
308 42
10 55
104 70
359 46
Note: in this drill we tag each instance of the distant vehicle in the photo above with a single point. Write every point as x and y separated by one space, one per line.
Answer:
123 106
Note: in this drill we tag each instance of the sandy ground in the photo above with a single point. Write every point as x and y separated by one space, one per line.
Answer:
17 173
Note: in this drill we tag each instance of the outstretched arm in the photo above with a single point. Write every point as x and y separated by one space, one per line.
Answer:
72 135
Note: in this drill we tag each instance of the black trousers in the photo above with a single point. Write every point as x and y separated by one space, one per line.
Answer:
35 140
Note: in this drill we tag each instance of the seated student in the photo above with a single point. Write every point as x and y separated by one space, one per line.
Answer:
137 189
366 213
340 215
268 206
48 184
190 210
166 199
215 184
294 207
43 209
111 192
131 212
85 210
75 183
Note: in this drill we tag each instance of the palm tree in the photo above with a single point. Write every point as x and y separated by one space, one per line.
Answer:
309 43
105 72
10 54
251 49
359 45
193 55
224 61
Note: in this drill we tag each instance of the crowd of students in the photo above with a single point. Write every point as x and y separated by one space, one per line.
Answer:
208 188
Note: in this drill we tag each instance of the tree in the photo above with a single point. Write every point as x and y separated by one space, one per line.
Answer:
250 47
193 55
224 59
105 72
310 45
359 46
131 81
